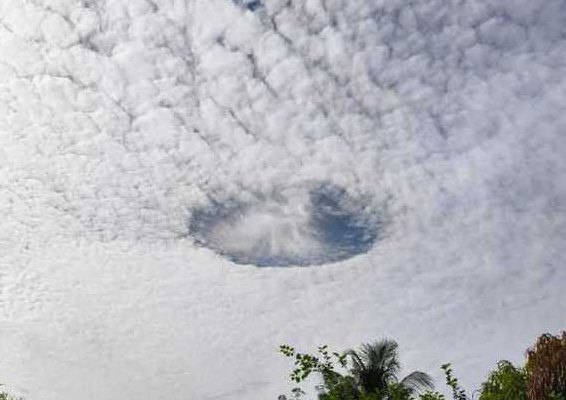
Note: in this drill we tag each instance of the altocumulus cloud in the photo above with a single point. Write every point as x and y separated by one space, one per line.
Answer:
410 152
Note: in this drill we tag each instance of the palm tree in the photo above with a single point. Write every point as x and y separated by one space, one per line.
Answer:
375 367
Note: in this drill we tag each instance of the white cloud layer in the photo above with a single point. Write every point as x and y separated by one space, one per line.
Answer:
120 118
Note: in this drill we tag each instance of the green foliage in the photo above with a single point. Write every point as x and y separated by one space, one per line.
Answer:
430 395
344 388
506 382
296 393
398 391
375 366
305 364
6 396
457 392
372 373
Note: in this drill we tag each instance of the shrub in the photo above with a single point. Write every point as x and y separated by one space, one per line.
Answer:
506 382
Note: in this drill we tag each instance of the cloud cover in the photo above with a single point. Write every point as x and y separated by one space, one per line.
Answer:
119 119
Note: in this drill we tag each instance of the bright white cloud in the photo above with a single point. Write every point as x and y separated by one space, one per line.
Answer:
120 119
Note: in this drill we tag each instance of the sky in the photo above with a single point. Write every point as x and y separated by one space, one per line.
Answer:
187 184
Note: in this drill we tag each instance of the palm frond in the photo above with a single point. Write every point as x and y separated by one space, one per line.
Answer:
382 354
358 363
417 381
375 365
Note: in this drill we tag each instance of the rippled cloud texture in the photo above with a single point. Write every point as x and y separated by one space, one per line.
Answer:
441 123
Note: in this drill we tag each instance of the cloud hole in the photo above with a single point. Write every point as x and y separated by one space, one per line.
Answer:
311 225
251 5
